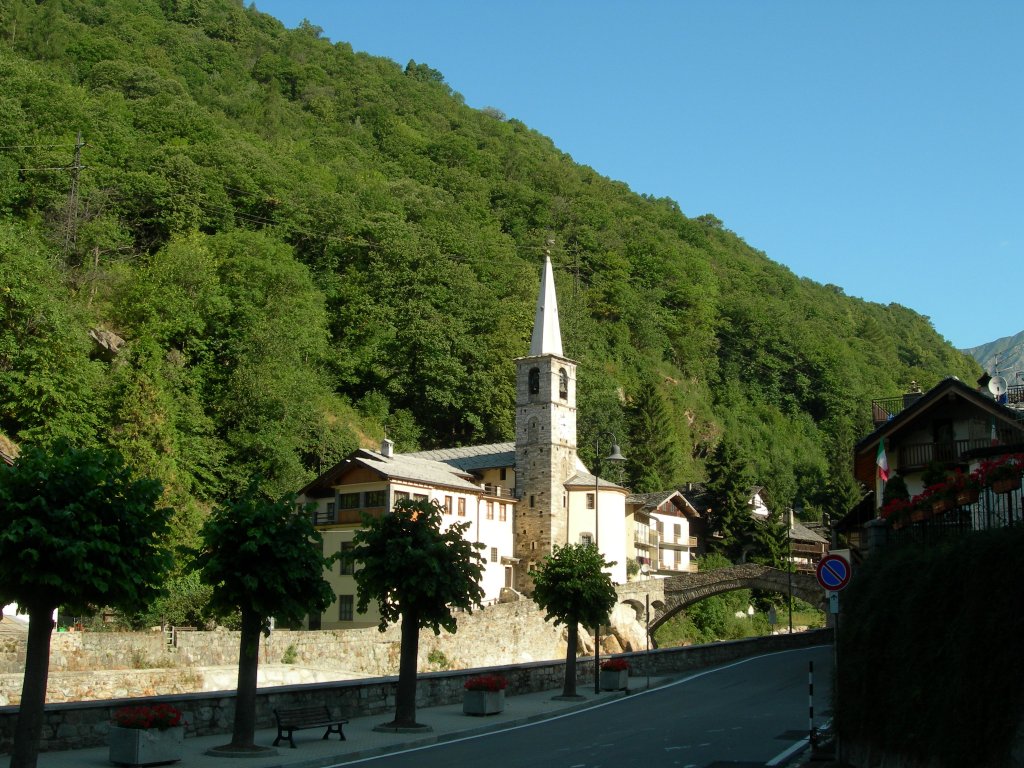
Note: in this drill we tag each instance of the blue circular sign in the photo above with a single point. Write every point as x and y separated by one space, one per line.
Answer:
833 572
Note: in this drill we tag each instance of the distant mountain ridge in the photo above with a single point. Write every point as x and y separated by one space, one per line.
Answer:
1004 357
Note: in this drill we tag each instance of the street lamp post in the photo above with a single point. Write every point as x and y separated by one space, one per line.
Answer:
615 457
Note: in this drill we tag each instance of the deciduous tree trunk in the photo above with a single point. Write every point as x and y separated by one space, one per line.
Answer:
569 685
33 688
244 732
405 698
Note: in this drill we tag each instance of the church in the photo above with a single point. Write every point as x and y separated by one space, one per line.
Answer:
521 499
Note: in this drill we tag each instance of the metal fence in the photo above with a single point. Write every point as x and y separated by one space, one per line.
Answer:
991 511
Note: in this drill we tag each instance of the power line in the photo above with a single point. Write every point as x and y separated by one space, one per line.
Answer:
36 146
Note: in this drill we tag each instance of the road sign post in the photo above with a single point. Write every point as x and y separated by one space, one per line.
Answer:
833 572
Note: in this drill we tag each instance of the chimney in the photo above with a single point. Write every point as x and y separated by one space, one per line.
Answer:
387 448
913 395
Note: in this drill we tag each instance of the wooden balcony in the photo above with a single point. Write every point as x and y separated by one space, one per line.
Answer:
500 491
915 456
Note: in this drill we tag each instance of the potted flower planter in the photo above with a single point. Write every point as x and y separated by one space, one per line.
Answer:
968 496
1006 484
614 679
483 702
145 746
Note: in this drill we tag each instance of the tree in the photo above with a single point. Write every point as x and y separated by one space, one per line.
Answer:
572 586
265 560
731 523
653 449
77 530
416 573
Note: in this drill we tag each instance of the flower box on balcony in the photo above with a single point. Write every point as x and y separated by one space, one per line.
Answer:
1006 484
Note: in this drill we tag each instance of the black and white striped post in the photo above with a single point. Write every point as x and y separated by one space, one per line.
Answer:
810 704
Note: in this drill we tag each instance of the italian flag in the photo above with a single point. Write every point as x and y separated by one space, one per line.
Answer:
882 462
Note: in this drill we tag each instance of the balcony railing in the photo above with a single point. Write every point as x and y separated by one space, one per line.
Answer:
679 542
646 538
690 567
500 491
885 408
917 455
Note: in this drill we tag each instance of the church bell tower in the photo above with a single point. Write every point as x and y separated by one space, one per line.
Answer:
545 436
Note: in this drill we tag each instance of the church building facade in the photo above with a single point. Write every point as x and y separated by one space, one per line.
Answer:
521 499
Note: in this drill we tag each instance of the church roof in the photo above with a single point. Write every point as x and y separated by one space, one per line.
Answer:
472 457
399 466
547 336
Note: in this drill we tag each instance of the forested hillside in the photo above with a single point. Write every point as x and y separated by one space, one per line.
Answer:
301 246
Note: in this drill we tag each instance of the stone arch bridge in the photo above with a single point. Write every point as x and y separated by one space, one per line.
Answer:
671 595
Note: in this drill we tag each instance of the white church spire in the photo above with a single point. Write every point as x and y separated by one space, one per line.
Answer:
547 336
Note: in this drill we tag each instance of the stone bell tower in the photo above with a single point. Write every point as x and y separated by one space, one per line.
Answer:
545 437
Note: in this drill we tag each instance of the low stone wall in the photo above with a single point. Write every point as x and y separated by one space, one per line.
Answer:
86 724
103 665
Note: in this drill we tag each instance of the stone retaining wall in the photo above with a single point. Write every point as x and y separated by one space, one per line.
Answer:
100 665
86 724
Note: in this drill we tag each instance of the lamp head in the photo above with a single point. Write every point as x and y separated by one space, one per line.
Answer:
615 456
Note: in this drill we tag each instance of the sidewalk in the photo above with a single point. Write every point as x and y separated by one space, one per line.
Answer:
448 723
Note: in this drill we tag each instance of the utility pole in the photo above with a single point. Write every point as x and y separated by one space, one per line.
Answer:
71 220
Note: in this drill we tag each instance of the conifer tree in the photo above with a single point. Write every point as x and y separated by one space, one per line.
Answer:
731 525
653 458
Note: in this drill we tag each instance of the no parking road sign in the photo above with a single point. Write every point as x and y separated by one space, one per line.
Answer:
833 572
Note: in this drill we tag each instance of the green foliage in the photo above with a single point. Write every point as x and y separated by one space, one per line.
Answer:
280 227
895 488
263 558
943 641
730 525
572 586
652 463
438 660
416 572
412 568
77 529
47 386
290 655
185 603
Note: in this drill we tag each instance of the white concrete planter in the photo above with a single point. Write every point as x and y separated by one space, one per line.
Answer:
137 746
614 679
483 702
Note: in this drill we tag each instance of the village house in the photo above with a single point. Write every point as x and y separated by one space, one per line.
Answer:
954 430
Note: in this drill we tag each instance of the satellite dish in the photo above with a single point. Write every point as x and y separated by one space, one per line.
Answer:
997 386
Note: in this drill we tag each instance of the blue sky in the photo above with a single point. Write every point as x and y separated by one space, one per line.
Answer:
875 145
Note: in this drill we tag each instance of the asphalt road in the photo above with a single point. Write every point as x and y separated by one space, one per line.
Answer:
740 715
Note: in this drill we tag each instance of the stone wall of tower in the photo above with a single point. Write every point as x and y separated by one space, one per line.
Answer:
545 457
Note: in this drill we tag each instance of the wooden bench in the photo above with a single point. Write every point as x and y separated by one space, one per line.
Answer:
298 718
